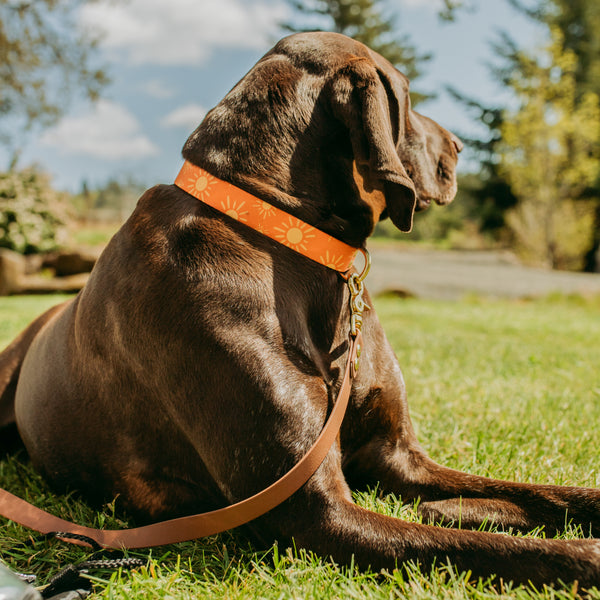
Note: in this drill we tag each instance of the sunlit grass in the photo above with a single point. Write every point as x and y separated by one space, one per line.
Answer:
16 312
509 389
92 234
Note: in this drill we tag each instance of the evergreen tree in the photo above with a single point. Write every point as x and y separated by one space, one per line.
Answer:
450 8
578 22
491 192
365 21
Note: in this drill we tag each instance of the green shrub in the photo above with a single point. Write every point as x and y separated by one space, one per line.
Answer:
32 214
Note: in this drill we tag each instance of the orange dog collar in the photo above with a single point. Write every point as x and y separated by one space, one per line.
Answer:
265 218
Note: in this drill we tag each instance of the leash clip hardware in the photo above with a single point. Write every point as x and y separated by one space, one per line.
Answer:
357 303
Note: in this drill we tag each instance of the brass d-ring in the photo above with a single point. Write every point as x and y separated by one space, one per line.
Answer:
367 266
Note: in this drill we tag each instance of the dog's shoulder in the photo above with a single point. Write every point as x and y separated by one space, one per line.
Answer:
171 232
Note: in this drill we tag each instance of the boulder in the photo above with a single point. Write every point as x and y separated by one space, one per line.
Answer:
71 262
12 271
21 275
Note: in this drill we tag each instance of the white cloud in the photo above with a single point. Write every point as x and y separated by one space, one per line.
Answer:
188 116
427 4
157 89
107 131
182 32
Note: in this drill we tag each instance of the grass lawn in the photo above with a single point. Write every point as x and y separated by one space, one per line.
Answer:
506 389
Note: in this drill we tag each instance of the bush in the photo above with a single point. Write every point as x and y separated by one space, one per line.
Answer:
556 240
32 214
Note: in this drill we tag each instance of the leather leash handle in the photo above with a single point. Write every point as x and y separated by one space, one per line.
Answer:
204 524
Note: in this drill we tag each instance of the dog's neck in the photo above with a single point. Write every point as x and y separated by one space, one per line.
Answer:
327 198
266 218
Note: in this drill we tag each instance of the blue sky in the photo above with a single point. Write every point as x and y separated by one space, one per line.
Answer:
171 60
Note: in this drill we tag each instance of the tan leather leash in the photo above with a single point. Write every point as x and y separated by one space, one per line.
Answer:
217 521
204 524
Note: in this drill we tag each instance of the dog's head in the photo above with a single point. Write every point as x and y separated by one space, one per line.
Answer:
322 126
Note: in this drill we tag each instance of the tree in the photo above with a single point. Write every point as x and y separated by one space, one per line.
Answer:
115 200
44 59
577 23
32 214
364 21
550 154
494 194
491 193
450 8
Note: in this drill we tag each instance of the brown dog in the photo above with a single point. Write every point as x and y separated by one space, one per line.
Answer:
199 363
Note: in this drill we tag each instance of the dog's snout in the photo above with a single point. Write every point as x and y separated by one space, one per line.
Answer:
457 143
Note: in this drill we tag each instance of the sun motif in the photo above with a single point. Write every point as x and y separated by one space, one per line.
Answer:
294 234
233 208
264 209
332 261
199 184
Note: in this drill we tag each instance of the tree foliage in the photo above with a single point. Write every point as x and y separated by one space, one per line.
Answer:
571 26
492 193
45 58
366 22
579 23
113 201
32 214
451 7
550 155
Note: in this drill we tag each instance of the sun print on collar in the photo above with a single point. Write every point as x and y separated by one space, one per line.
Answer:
264 209
295 234
234 209
199 184
329 259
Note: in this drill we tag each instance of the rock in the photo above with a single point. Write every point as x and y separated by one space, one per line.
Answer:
71 262
33 263
12 271
20 274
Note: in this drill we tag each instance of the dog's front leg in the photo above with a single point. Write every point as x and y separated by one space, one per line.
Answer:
381 449
452 496
398 465
321 517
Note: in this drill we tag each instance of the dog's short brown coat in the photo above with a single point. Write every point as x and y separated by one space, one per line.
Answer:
199 363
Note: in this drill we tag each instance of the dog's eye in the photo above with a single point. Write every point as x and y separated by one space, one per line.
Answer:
442 173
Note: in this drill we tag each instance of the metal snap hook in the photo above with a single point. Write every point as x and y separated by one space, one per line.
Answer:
367 266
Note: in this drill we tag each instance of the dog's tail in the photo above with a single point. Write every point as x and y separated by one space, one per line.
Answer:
11 360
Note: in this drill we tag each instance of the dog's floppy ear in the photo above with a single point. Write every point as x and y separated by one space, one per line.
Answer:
374 108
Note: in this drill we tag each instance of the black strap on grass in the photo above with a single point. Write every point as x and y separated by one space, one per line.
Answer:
68 583
64 535
70 577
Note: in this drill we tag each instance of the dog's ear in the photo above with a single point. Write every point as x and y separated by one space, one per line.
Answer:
374 108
